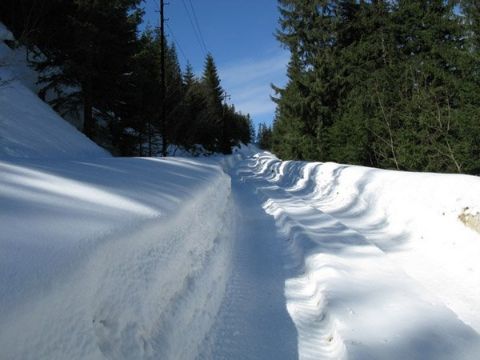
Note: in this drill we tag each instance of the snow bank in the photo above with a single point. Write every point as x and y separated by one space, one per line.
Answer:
115 258
102 257
414 218
379 266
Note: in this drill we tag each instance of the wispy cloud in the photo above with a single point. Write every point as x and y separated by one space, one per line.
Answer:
248 82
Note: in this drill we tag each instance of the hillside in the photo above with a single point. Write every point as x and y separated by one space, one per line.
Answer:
100 256
29 128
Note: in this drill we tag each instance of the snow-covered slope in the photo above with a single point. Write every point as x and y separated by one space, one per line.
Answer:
102 257
29 128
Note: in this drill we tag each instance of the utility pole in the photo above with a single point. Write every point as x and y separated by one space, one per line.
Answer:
162 79
225 143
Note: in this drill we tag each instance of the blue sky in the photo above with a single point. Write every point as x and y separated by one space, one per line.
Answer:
240 35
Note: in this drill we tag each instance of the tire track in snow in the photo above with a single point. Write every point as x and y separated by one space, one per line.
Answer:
253 322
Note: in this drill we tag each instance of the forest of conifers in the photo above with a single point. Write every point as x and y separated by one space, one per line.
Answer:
94 60
391 84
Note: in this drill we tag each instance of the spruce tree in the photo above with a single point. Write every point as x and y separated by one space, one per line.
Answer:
145 92
305 106
289 138
195 118
264 136
174 96
380 83
214 95
93 48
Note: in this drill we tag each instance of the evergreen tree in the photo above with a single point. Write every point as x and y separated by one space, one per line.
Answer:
380 83
144 101
92 59
215 110
264 138
238 129
431 43
189 77
93 48
471 12
305 106
174 95
195 126
361 131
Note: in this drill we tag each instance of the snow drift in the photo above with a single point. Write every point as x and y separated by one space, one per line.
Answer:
378 263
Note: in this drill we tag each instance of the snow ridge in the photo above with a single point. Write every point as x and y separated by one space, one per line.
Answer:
305 289
344 294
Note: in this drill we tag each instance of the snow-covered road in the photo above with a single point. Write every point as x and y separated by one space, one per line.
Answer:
253 322
172 259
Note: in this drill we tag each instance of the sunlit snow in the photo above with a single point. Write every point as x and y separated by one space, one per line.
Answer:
237 257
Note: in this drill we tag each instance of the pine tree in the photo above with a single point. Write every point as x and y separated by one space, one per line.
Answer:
214 96
306 105
264 138
430 76
93 47
174 96
189 77
195 116
380 83
238 129
471 11
145 90
362 130
289 138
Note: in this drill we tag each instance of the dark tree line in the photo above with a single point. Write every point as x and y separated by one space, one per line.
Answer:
93 61
392 84
264 136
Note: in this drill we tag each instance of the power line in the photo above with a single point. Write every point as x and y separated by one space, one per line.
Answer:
177 43
192 23
198 25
